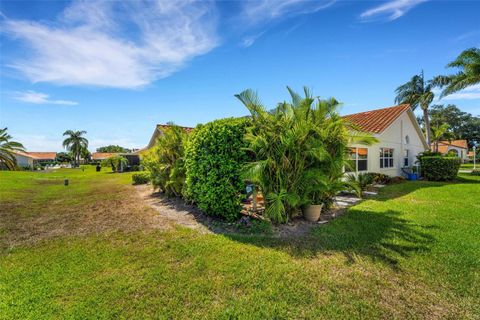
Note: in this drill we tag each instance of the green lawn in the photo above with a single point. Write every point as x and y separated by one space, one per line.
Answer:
91 250
469 166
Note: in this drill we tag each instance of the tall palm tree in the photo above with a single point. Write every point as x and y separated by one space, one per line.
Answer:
469 64
76 143
7 150
418 93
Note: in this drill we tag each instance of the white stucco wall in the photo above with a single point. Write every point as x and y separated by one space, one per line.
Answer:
395 137
23 161
462 153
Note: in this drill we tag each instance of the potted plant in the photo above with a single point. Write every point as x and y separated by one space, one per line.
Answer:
312 212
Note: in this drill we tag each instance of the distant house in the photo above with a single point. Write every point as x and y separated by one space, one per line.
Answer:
157 133
133 158
99 156
400 140
31 159
457 147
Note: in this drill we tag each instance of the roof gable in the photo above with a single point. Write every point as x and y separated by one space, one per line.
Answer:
376 121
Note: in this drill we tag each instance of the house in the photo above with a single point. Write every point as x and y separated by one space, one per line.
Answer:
133 158
32 159
400 140
157 133
458 147
99 156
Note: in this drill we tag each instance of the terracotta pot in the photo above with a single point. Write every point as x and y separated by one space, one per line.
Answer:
312 212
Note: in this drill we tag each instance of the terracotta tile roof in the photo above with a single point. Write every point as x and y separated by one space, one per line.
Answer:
102 155
376 121
470 154
43 155
455 143
165 126
442 149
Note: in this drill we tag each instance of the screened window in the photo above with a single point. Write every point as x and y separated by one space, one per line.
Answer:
386 158
358 159
406 161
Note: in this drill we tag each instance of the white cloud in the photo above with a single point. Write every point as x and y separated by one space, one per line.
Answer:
262 11
393 9
40 98
35 142
470 93
121 44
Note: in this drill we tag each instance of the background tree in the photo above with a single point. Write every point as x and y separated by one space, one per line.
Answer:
7 150
469 74
75 143
63 157
439 133
113 149
418 93
463 125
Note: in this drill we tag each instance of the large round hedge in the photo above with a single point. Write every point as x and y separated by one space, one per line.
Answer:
213 161
440 168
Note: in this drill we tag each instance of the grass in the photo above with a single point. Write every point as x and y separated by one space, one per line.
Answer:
469 166
411 252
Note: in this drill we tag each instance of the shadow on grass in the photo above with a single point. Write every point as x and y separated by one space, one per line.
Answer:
401 189
383 237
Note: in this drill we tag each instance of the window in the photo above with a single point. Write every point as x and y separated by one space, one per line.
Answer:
407 139
386 158
358 159
406 161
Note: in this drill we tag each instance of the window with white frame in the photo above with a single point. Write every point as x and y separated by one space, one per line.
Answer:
358 160
386 158
406 159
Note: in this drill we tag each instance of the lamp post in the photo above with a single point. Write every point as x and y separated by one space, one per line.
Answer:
475 143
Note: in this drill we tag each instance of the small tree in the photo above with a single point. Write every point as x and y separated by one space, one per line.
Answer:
165 162
115 162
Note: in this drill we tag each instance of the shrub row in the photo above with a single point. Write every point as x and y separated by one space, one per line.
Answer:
438 168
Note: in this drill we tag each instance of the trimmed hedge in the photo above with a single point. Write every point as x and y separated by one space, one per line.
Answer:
140 178
213 161
440 168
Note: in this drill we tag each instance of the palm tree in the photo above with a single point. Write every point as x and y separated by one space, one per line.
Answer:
440 132
7 150
417 92
469 64
75 143
298 150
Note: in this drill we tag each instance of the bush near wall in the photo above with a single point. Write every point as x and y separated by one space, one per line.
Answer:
440 168
213 162
140 178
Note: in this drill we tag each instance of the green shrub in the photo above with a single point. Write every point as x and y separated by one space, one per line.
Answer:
360 182
115 162
165 161
140 178
213 161
380 178
440 168
299 150
475 172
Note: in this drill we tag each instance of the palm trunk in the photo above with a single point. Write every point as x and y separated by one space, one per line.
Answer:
427 125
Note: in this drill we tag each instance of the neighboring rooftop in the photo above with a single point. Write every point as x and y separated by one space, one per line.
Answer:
38 155
103 155
455 143
376 121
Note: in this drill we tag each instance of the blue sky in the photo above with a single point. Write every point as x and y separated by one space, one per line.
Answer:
115 69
